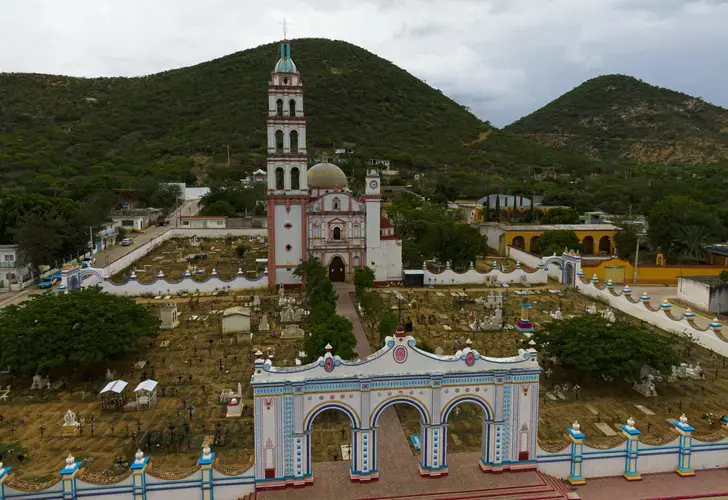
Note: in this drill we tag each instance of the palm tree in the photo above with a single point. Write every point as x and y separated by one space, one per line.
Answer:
690 241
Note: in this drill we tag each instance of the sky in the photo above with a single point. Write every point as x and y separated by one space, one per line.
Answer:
501 58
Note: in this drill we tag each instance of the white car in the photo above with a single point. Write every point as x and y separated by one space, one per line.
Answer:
126 242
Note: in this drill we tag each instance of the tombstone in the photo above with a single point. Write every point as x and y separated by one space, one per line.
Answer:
264 326
169 317
110 375
39 382
299 314
694 372
591 310
673 374
646 387
70 425
287 314
256 301
234 408
557 315
281 295
682 371
236 319
292 331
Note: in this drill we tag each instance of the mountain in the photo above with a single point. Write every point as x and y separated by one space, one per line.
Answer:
617 117
72 136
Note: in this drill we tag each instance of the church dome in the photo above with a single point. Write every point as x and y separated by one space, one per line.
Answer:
285 65
326 176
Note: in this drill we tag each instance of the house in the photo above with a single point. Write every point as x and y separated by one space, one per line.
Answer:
13 275
377 161
105 237
203 221
260 176
706 293
717 254
596 239
236 319
387 172
137 219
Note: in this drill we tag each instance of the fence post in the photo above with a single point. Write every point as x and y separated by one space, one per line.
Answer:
685 431
139 475
68 478
631 473
206 459
576 474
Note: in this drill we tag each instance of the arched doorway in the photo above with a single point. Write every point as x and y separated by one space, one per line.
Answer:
409 415
337 269
470 428
533 245
588 244
519 242
330 436
605 245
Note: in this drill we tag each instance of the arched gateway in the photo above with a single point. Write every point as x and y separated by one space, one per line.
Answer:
287 401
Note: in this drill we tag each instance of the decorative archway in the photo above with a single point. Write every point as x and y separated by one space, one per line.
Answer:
519 242
570 265
287 400
337 269
588 244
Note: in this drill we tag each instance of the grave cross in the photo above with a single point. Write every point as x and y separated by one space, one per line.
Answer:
191 408
92 425
42 430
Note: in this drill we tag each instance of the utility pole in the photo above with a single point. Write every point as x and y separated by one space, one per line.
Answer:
91 239
636 260
228 154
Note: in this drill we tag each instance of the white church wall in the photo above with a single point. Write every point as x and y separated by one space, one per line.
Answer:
288 230
694 292
392 259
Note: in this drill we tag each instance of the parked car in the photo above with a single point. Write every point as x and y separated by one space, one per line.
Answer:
49 281
87 262
126 242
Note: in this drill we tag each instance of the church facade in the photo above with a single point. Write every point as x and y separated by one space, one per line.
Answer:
311 211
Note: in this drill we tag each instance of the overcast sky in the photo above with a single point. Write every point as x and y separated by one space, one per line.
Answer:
502 58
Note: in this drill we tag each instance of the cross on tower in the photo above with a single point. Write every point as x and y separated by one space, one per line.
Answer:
285 25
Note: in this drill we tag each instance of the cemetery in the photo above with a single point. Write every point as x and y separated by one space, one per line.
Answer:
189 387
199 257
443 319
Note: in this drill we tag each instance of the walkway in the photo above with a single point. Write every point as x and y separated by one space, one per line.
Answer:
711 483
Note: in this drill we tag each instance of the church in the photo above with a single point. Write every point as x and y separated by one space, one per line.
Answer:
311 211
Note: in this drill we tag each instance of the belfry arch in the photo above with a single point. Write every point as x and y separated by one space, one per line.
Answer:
287 401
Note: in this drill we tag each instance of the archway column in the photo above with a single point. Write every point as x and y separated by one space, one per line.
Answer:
364 455
490 449
433 455
302 458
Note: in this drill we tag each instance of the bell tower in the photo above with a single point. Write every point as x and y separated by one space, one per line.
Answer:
287 167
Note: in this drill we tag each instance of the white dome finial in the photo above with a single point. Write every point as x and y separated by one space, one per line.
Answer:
139 456
70 460
576 425
630 423
683 419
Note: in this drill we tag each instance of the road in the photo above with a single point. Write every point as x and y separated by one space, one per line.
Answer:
109 255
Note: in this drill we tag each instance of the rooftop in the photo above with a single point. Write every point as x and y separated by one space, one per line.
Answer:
245 311
559 227
720 249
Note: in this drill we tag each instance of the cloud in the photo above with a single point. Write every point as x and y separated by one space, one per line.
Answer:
502 58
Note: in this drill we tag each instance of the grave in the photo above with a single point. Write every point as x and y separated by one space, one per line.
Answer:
169 316
644 410
292 332
236 319
606 429
70 425
264 326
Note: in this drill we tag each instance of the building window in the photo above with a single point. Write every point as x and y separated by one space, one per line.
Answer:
279 141
337 204
279 107
288 225
185 223
289 248
9 258
285 81
279 179
337 233
292 107
219 223
294 141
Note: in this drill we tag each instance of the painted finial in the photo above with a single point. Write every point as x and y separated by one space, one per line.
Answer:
139 457
161 274
683 419
328 348
70 460
630 423
214 272
240 270
206 453
532 343
576 425
468 342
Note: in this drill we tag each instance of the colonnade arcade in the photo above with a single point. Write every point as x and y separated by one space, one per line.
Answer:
287 401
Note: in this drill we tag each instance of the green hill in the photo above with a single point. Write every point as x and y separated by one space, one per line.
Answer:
66 135
618 117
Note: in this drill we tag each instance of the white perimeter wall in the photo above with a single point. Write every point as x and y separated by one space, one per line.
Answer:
694 292
473 277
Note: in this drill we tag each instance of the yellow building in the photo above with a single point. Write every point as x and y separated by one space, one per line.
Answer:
622 271
595 239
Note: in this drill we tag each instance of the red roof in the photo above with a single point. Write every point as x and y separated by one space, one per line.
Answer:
384 223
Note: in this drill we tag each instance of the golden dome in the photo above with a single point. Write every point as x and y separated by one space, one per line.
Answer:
326 176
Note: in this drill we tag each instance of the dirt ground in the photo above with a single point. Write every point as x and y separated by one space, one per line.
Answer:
172 257
196 366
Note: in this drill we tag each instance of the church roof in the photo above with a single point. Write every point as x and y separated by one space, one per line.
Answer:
285 63
384 223
326 175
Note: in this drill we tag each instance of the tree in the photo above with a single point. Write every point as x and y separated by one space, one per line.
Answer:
387 324
240 251
39 238
337 331
723 276
72 330
554 242
371 304
691 240
668 218
219 208
560 216
497 208
593 348
363 279
626 239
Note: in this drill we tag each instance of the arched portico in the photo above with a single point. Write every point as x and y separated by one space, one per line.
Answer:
287 401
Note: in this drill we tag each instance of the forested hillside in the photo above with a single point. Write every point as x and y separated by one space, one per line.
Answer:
617 117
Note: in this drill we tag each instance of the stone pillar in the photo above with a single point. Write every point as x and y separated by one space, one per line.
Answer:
576 475
205 462
685 431
629 431
486 445
68 478
363 455
433 455
138 475
302 466
3 476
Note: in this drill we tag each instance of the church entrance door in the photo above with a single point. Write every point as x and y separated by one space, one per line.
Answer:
337 269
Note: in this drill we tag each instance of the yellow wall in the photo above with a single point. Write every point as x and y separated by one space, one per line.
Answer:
648 274
528 236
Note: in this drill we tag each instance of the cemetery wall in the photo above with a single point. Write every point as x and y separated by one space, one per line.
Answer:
523 257
161 286
473 277
658 318
662 458
156 488
709 455
150 245
555 464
